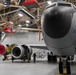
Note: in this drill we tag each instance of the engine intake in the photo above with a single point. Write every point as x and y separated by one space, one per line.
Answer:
21 51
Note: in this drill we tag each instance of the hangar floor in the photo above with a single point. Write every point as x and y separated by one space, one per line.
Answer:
41 67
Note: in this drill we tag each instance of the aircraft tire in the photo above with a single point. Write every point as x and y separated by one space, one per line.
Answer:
61 67
68 68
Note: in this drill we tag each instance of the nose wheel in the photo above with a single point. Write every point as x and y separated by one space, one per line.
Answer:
60 67
68 67
64 65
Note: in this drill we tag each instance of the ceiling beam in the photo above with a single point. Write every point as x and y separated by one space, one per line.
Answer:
9 12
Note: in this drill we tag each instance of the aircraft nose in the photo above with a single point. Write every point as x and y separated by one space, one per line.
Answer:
56 23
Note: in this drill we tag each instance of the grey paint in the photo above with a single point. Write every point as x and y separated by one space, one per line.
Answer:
64 46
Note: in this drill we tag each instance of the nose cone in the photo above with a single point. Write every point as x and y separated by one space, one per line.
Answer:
56 23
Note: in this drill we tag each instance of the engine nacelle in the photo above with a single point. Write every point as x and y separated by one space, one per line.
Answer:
21 51
2 49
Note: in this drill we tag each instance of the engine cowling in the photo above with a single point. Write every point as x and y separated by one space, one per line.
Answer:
2 49
21 51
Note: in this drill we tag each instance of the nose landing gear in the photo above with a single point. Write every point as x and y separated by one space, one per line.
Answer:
64 64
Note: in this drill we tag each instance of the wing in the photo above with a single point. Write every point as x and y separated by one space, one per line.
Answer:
38 46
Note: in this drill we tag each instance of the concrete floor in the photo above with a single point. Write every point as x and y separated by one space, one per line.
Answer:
41 67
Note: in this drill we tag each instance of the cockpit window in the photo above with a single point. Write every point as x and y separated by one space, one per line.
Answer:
50 6
61 4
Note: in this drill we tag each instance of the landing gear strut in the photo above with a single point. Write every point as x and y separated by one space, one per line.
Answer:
68 67
12 59
64 64
60 67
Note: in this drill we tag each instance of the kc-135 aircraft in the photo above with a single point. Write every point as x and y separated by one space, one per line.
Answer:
59 31
58 23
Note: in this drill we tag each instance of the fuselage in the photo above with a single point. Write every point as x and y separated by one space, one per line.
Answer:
59 28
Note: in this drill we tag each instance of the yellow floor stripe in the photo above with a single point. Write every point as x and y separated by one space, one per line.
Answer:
61 74
64 73
65 70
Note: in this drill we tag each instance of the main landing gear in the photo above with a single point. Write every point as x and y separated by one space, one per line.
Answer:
64 64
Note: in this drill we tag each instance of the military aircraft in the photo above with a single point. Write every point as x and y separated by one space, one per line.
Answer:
59 31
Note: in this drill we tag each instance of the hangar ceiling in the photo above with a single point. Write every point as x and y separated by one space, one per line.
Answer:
14 13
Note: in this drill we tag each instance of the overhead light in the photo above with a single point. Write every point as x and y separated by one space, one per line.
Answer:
11 22
49 2
5 5
27 21
20 15
2 32
19 25
27 24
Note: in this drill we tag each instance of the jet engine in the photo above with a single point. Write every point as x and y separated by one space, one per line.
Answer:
21 52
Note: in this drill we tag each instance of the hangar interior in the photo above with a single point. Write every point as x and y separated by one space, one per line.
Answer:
20 28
